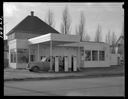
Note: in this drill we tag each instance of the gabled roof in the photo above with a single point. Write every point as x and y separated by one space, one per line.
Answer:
120 38
33 24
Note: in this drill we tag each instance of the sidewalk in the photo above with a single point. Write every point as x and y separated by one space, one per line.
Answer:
23 75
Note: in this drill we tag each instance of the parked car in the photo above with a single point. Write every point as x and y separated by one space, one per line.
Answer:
43 65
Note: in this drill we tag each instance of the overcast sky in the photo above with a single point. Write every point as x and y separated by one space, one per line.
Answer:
109 16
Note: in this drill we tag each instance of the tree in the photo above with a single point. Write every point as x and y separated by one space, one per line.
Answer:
114 38
76 31
66 22
87 37
113 42
98 34
49 18
62 29
81 29
108 38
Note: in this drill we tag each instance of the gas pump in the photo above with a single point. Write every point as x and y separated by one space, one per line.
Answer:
65 63
56 64
74 63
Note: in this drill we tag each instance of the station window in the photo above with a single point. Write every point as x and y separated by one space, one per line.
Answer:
87 55
94 55
12 56
101 55
22 55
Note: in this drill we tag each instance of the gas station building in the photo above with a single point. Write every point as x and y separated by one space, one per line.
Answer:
32 39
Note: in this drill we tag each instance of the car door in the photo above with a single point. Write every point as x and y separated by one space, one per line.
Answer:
45 65
41 65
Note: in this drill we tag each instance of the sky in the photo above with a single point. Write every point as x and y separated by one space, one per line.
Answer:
110 16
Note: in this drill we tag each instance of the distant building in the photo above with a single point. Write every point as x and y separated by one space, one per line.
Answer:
120 47
32 39
113 49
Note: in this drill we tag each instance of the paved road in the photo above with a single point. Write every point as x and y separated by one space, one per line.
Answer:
107 86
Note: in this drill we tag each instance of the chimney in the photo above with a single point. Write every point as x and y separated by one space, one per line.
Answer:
32 13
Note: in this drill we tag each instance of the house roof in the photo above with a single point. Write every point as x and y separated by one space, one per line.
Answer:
120 38
33 24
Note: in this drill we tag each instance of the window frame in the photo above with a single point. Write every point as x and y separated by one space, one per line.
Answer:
94 58
22 55
88 58
101 58
13 56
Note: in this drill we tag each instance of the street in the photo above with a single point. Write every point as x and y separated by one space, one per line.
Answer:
107 86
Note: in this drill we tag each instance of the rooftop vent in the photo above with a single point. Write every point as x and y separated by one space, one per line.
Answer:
32 13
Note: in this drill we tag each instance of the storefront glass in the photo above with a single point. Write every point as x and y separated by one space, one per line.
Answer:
22 56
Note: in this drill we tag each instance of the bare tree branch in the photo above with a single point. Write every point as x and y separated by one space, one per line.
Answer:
66 22
62 29
82 26
49 18
114 38
87 37
76 31
98 37
108 38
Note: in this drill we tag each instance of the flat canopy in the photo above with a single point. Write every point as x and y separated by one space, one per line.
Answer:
55 38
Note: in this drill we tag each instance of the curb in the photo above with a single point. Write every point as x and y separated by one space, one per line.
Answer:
64 77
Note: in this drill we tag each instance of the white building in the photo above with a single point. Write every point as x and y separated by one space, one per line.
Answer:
32 39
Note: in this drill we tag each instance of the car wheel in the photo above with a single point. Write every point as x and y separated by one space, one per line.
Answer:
35 69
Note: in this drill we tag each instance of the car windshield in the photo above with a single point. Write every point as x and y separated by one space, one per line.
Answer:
43 59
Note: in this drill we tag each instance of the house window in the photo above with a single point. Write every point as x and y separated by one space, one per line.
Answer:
12 56
22 55
87 55
101 55
94 55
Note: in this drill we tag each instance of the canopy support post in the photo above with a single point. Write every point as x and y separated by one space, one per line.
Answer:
51 69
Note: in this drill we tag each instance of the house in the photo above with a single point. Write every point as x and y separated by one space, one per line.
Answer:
120 45
5 53
120 48
32 39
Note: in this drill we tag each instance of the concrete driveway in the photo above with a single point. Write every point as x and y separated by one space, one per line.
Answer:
17 74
